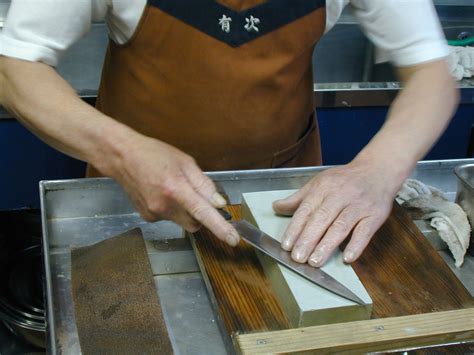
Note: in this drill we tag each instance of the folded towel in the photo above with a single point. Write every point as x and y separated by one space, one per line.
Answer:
413 188
461 62
448 218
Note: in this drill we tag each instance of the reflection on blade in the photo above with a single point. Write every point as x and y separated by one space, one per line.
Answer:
272 248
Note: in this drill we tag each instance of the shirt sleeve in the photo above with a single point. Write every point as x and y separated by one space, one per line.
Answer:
408 31
334 10
42 30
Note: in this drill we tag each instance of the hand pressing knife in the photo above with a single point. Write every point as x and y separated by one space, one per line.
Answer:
272 248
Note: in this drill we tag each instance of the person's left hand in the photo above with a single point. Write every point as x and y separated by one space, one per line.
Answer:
353 198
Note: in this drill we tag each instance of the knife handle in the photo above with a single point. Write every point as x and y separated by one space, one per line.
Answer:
227 216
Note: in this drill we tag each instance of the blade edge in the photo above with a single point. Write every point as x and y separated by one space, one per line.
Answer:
246 230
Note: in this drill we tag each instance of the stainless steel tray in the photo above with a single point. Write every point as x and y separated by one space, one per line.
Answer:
465 193
85 211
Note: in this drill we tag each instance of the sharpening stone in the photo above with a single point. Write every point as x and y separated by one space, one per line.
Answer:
304 302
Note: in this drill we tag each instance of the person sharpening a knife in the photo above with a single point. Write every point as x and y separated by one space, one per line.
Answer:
193 86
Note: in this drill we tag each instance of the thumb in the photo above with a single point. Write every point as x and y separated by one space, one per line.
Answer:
288 206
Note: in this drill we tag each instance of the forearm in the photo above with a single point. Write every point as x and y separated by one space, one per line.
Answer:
46 104
415 121
161 181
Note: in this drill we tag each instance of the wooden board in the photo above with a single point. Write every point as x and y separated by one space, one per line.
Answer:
365 336
405 275
237 284
304 302
401 271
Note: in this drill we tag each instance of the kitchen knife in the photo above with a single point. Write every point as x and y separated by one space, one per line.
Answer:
272 248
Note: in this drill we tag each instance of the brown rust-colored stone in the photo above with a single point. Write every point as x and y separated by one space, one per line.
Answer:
116 304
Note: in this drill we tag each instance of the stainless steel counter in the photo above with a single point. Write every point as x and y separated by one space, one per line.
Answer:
372 94
82 212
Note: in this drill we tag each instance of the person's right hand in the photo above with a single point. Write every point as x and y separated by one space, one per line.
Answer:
165 183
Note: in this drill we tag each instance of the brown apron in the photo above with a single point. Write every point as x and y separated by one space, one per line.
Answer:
228 82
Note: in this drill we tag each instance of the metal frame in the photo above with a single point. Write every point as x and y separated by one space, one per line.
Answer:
70 208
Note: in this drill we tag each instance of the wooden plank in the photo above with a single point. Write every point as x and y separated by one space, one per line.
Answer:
304 303
365 336
240 291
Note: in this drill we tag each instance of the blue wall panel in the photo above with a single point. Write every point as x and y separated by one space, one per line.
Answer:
25 160
344 132
454 143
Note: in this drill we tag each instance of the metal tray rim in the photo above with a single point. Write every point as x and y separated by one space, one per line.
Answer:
458 171
48 291
54 185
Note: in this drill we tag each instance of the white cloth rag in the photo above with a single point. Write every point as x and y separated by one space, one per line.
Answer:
448 218
461 62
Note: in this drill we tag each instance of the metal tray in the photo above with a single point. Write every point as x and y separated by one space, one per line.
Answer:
465 193
85 211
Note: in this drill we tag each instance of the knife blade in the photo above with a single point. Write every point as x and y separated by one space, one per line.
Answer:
272 248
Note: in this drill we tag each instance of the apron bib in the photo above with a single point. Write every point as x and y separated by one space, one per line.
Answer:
228 82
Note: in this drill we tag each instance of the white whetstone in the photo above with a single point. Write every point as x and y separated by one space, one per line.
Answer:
304 302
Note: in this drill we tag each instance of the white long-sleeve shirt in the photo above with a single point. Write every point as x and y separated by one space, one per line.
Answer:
42 30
